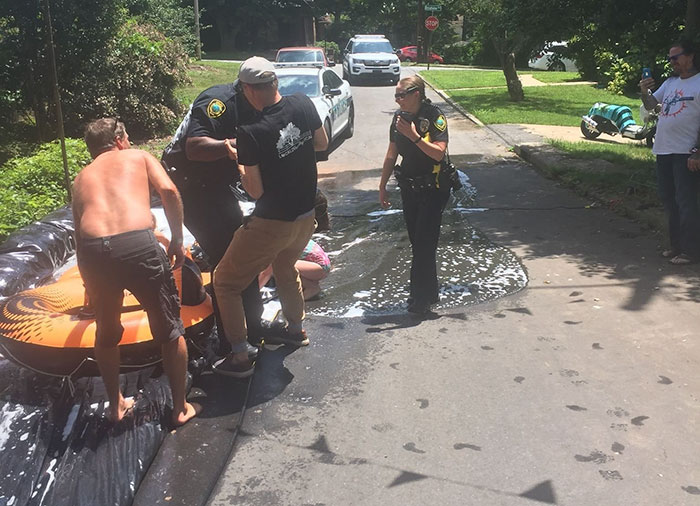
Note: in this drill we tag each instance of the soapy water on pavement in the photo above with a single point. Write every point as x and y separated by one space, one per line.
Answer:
371 258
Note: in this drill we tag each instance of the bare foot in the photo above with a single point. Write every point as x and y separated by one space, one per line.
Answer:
182 417
122 410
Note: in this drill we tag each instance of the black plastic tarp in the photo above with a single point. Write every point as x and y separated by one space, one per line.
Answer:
29 256
57 446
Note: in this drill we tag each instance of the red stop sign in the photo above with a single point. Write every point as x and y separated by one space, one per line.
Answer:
431 23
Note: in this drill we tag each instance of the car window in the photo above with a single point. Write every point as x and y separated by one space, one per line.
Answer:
378 46
331 79
297 56
306 84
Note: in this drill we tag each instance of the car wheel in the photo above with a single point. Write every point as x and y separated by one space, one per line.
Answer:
588 131
345 75
350 129
557 66
407 59
436 62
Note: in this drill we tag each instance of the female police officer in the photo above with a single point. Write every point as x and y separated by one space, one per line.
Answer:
419 134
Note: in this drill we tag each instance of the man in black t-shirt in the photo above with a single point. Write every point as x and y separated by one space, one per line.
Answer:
201 160
277 162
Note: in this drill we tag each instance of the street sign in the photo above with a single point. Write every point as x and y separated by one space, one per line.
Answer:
431 23
433 8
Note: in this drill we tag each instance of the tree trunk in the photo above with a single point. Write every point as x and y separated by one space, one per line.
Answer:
507 59
420 42
38 107
692 18
515 87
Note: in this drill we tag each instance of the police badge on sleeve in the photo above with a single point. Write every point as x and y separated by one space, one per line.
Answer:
215 108
440 123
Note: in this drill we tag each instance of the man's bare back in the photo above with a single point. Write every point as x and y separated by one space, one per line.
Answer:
112 194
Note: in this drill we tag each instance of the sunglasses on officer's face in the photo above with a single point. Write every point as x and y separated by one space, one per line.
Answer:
402 94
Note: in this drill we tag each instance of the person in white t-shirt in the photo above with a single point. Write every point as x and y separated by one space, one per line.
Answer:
676 149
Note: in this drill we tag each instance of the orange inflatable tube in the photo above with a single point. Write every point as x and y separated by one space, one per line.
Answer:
48 329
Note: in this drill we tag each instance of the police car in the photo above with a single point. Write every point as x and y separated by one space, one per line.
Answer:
329 93
370 57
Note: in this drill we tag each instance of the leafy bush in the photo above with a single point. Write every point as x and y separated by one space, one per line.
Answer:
170 17
145 69
136 82
33 186
331 48
462 53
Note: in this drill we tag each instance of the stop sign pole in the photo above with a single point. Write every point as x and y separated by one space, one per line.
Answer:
431 23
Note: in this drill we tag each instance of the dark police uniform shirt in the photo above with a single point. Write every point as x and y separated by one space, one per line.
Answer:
431 126
281 144
216 112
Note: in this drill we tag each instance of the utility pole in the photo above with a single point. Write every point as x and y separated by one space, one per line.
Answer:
419 31
198 46
57 99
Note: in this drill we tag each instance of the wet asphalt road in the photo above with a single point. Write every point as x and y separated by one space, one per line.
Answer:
580 388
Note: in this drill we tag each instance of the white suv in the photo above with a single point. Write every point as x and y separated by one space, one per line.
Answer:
370 56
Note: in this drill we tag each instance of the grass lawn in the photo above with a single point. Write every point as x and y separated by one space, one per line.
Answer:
451 79
635 172
205 74
544 105
631 156
547 76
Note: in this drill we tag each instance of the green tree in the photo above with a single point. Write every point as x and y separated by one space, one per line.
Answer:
103 69
82 29
173 18
612 46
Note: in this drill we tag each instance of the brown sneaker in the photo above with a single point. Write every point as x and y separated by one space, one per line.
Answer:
286 337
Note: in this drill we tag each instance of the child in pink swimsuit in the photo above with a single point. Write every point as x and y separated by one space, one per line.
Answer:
313 265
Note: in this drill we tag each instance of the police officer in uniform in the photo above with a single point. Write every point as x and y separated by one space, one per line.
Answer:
202 161
419 134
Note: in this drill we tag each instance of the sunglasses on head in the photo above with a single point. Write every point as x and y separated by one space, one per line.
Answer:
402 94
116 125
675 56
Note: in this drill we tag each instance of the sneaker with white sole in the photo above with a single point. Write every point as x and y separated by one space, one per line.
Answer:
227 367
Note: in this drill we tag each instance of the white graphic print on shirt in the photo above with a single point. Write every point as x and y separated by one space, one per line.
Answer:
291 139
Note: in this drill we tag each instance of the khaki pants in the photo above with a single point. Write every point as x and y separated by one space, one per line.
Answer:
255 245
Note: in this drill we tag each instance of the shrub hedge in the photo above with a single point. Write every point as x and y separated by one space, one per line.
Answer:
33 186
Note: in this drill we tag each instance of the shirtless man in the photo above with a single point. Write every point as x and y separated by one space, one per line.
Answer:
117 250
